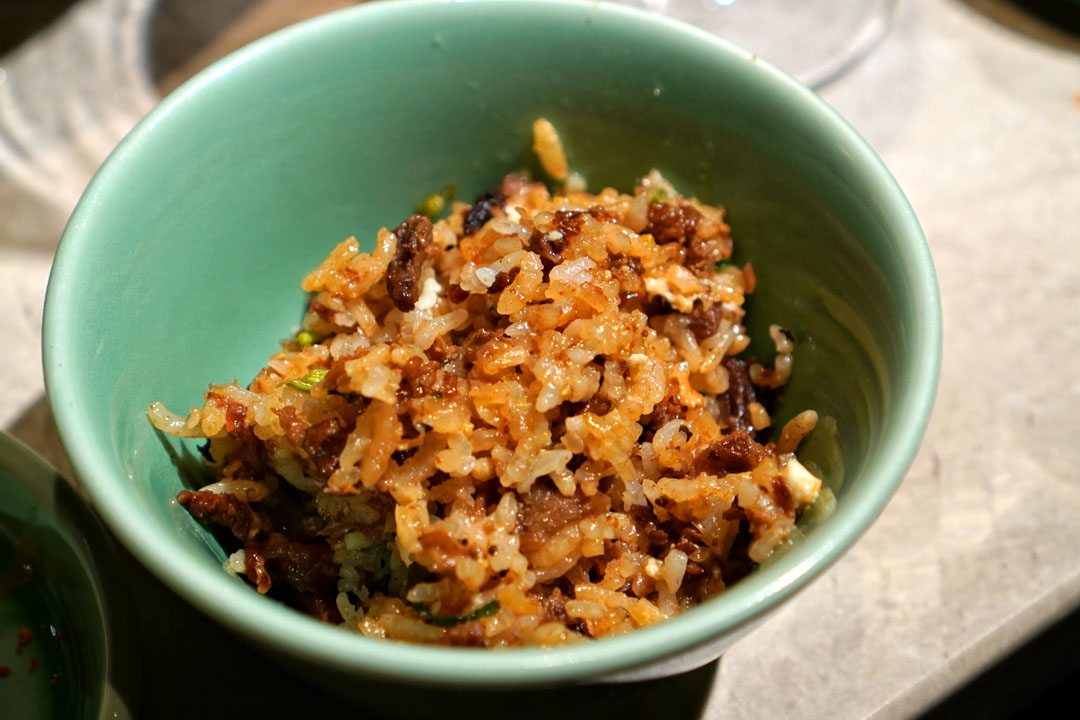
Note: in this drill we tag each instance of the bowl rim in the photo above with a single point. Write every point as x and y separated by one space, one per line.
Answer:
281 629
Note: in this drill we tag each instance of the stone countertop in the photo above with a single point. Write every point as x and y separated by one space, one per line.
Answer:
976 110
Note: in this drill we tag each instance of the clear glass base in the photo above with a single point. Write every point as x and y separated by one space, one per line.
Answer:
816 41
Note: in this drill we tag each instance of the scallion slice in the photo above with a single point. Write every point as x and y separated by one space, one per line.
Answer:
305 383
483 611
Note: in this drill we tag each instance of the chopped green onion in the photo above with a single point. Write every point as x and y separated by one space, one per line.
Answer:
659 195
721 264
306 337
450 620
314 377
434 204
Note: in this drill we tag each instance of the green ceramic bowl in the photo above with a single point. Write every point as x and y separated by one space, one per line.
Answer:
57 583
182 263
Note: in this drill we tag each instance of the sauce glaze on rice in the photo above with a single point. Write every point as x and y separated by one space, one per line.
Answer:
521 424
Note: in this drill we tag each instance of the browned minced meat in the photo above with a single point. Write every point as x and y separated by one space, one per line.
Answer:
671 222
235 413
503 280
691 534
624 267
664 412
545 511
442 350
705 319
457 294
739 395
603 215
481 211
627 271
706 584
782 495
419 377
242 520
689 541
737 563
569 222
426 378
702 255
403 275
693 569
737 452
304 572
293 426
691 544
324 442
649 526
549 249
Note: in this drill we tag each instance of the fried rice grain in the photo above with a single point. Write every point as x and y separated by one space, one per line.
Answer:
523 424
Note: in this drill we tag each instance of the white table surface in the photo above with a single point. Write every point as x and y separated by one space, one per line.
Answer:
979 549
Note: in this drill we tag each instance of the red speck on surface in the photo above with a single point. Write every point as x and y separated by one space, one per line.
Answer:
4 671
55 678
25 636
33 664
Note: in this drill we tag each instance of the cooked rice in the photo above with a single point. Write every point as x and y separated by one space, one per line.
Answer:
522 424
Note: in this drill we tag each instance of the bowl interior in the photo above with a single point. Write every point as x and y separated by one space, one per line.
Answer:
182 264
